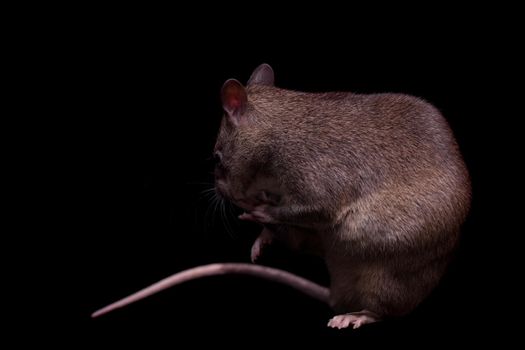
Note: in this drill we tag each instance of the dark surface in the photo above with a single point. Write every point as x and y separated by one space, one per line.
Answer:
145 112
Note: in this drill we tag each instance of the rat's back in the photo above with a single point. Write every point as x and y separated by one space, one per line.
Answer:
344 142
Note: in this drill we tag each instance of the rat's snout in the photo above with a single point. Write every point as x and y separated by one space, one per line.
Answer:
219 173
221 187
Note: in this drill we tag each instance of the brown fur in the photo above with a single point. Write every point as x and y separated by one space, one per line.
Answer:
377 180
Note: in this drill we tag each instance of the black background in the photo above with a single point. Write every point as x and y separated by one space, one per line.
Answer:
142 100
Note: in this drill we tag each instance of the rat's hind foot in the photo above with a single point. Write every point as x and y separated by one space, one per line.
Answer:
356 319
264 239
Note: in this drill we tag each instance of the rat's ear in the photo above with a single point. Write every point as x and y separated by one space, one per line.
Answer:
234 99
262 75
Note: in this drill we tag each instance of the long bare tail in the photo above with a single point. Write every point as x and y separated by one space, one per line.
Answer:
310 288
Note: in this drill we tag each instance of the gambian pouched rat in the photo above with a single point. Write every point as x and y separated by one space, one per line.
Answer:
375 184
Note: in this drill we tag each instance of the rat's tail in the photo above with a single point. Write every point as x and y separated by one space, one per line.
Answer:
310 288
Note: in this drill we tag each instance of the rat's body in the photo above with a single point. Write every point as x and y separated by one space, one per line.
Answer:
374 184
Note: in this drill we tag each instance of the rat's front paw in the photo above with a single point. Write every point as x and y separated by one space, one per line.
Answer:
264 239
260 214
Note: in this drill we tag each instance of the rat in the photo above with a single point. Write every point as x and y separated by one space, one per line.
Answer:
375 184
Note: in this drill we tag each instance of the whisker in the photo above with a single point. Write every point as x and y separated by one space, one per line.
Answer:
211 208
226 222
216 205
211 189
231 211
197 183
207 193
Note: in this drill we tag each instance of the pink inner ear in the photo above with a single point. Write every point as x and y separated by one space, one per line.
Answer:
235 103
233 97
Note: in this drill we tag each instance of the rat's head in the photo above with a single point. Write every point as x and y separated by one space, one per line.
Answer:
241 152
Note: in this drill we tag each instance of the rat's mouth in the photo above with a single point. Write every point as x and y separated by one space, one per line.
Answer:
223 191
244 204
247 200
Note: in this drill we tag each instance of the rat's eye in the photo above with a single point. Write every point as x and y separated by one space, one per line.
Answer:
217 158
